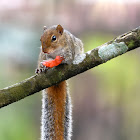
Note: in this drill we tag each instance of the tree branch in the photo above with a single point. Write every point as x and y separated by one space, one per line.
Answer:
97 56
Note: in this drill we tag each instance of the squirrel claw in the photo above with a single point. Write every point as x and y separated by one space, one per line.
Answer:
37 71
61 58
41 65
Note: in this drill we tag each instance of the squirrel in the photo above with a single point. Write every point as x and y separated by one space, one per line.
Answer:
58 46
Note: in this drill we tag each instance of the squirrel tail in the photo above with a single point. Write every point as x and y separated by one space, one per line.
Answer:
56 113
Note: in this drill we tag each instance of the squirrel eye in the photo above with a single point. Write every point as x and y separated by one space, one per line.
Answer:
53 38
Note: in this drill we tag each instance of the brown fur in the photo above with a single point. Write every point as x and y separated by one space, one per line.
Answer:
48 46
67 46
57 94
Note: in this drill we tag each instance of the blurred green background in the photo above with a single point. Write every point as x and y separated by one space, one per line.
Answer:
106 99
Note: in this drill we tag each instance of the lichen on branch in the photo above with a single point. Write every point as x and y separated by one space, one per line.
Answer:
84 62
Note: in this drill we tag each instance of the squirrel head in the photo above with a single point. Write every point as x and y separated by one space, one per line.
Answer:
52 38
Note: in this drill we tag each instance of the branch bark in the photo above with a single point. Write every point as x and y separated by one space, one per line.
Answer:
88 60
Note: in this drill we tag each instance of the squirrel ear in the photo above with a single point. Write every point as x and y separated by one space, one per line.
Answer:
59 28
44 28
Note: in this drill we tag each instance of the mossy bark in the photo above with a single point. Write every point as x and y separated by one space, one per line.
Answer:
99 55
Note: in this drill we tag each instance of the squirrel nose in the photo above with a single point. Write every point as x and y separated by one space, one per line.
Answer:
44 50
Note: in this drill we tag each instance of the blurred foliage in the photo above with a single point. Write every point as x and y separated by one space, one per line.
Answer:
105 99
118 85
121 72
18 59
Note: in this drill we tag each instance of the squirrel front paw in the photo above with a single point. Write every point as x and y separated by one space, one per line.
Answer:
40 70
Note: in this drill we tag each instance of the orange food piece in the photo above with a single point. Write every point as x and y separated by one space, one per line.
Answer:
54 62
